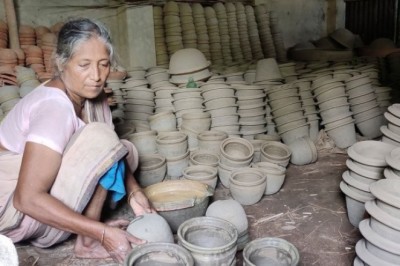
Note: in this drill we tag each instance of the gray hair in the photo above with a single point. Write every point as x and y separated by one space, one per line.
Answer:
77 31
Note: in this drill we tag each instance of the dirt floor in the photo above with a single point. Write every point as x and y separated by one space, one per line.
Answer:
309 212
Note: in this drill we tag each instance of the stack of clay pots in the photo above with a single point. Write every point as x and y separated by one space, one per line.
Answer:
380 243
251 102
278 38
39 31
236 215
8 57
157 75
9 97
220 102
163 98
144 141
189 37
243 31
391 131
392 171
159 37
173 28
275 152
113 87
27 80
234 32
247 185
27 35
250 76
224 32
309 106
288 71
214 36
173 146
152 169
48 45
210 141
267 70
162 122
204 157
186 100
383 97
34 59
287 112
334 110
364 105
194 123
201 173
263 20
203 39
137 72
235 153
254 36
3 34
365 166
187 64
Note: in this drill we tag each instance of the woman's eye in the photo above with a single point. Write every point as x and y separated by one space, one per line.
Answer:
84 65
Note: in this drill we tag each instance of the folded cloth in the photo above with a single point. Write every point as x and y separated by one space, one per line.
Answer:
113 180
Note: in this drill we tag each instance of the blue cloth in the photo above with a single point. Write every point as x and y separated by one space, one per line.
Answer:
113 181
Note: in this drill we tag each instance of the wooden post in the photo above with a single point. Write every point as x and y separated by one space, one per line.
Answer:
12 24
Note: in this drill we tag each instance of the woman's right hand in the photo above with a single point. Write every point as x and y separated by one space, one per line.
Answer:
117 241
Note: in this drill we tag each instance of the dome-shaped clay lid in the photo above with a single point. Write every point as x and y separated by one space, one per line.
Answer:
187 60
229 210
151 227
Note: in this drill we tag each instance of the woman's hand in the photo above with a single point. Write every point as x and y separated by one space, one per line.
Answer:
140 203
117 241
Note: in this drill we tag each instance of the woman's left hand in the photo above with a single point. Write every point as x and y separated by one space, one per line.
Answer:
140 203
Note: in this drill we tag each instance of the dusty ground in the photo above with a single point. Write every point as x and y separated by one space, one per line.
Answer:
309 212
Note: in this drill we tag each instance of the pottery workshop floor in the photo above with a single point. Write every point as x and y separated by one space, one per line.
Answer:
309 212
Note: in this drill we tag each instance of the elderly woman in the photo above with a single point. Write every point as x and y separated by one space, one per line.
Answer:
59 154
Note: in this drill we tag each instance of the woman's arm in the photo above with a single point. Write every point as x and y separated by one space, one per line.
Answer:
39 169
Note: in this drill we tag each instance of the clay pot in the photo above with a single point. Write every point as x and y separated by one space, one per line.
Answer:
275 176
303 151
207 158
211 140
275 152
163 122
172 144
210 240
151 227
175 165
247 185
343 134
236 152
202 173
152 169
145 142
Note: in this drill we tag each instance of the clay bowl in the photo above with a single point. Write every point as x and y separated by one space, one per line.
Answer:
152 169
275 152
387 193
236 151
187 60
247 185
370 152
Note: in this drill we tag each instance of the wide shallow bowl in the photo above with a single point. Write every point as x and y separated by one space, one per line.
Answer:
159 254
179 200
388 191
270 251
366 256
370 152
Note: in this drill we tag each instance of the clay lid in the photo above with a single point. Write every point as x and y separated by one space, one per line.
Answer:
151 227
231 211
187 60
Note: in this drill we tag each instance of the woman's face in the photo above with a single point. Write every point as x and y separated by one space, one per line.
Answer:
86 72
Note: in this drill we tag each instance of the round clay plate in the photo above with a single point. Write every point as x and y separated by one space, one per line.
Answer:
365 255
395 109
392 119
387 190
381 215
393 159
370 152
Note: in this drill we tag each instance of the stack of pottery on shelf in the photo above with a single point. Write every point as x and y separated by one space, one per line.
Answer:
277 36
3 34
234 153
392 171
364 105
234 32
34 59
173 29
383 97
334 110
162 58
220 102
365 166
263 20
224 32
186 100
194 123
39 31
251 110
189 37
287 112
275 174
236 215
26 79
391 131
163 97
139 103
27 35
380 243
288 71
254 37
214 36
9 97
243 31
188 63
309 106
173 146
203 39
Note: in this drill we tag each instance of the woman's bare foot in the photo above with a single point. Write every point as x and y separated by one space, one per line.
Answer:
89 249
